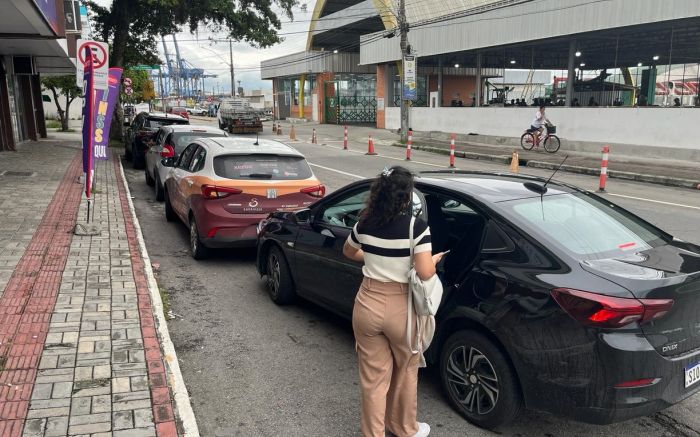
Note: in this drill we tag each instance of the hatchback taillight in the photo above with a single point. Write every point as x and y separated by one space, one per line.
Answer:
214 192
167 152
602 311
315 191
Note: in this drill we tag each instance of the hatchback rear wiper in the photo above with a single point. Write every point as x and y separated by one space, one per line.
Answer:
260 176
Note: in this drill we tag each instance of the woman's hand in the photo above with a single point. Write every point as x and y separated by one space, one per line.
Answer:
438 257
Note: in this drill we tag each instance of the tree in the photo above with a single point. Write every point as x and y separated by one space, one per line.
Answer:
65 86
141 84
133 26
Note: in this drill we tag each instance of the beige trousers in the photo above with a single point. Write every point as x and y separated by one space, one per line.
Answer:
388 370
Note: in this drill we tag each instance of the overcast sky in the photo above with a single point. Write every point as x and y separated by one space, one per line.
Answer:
214 57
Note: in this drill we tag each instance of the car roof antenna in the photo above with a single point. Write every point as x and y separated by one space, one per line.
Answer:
555 171
541 189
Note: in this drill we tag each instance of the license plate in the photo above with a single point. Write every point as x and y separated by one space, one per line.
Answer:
692 375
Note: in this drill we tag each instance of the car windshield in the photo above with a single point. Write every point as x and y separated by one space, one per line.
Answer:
181 140
261 167
158 122
584 226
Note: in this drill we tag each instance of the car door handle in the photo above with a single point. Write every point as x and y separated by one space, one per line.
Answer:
327 233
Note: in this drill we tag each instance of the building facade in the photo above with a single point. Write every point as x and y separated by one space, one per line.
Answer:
33 42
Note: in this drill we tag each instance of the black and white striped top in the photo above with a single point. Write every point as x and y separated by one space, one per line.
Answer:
387 249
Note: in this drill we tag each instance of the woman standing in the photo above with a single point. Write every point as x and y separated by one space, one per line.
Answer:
388 368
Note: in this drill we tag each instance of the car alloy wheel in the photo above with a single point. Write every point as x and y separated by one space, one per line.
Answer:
280 284
273 275
199 251
472 380
479 380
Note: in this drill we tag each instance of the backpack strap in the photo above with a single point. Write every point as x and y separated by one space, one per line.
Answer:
409 296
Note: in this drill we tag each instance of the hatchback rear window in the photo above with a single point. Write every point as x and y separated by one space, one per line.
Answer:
158 122
184 139
584 226
261 167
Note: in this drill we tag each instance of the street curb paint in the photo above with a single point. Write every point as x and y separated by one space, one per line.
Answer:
181 397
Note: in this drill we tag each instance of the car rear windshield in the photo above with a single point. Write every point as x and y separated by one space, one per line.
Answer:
584 226
261 166
158 122
180 140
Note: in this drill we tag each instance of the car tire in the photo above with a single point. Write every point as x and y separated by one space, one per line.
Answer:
169 211
280 285
197 249
158 187
478 380
149 180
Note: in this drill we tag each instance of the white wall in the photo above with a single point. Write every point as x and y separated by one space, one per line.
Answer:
658 127
50 111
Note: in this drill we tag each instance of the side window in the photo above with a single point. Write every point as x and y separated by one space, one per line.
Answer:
198 160
186 157
345 211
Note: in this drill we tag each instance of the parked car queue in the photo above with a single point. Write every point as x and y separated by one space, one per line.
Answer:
555 299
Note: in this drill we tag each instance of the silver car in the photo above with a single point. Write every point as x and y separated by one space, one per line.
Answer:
169 142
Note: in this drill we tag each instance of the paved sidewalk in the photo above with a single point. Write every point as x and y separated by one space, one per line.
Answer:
80 352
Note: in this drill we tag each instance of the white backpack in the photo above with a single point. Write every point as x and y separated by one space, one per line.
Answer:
424 299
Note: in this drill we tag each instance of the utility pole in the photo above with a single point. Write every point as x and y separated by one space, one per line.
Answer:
233 78
403 28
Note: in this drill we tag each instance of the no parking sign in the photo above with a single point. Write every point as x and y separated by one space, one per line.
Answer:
100 61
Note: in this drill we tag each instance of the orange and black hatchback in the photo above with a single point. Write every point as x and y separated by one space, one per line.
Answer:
223 187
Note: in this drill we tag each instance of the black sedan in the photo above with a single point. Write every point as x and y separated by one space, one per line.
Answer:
555 299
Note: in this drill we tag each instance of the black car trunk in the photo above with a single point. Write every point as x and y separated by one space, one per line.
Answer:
669 271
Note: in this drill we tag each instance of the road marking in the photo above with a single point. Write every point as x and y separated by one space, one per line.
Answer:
655 201
337 171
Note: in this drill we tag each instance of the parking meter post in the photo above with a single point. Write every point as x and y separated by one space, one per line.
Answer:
604 169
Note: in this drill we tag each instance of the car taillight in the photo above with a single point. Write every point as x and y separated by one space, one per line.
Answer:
638 383
214 192
315 191
167 152
602 311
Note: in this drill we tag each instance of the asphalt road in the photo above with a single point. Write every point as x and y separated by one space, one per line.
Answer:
255 369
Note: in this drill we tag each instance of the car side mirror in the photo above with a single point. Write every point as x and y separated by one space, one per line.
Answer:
303 216
168 162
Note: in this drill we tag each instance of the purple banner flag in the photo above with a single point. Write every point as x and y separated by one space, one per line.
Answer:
88 114
105 100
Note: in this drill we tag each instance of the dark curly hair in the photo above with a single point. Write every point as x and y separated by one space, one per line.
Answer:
389 197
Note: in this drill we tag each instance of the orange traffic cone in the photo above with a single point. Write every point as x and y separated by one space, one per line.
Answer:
293 134
515 162
370 147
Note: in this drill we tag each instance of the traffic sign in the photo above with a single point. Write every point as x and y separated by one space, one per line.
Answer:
144 67
100 59
128 91
127 81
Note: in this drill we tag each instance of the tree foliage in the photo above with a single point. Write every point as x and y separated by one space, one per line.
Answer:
62 86
141 84
133 26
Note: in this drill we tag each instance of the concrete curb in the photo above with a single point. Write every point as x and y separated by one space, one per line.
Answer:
183 408
505 159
